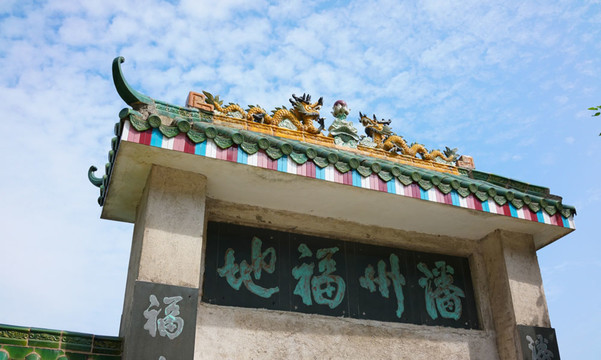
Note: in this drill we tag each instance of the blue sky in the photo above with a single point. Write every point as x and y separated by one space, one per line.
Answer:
507 82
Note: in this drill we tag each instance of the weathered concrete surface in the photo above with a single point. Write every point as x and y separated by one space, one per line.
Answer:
338 229
255 186
168 235
168 241
516 290
525 280
169 229
229 332
238 333
168 248
501 300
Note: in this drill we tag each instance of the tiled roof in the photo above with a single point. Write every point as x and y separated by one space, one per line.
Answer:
193 128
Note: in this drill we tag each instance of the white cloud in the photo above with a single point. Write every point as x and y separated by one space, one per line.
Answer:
562 99
78 32
506 83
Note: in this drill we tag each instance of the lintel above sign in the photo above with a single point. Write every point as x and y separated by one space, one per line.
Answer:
263 268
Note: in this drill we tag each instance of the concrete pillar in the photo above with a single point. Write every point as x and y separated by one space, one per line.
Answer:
165 262
516 289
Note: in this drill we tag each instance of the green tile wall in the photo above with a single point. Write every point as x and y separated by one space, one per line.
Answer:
22 343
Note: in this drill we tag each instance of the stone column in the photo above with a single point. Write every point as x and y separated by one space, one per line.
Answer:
161 295
516 288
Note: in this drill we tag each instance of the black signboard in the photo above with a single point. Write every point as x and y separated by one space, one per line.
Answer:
262 268
164 321
538 343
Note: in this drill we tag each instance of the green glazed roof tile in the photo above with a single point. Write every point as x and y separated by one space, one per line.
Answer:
198 125
30 343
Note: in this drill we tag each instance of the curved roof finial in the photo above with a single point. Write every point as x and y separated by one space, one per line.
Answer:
129 95
96 181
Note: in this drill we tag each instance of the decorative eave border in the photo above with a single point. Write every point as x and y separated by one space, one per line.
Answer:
297 158
190 130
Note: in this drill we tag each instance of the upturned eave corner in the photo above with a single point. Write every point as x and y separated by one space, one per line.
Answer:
125 91
382 159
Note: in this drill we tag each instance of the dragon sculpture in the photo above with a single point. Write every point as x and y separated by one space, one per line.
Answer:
385 139
301 115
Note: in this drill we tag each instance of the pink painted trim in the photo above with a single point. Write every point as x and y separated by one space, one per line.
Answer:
232 153
382 184
414 191
220 153
556 220
439 197
261 159
446 198
338 176
310 169
348 178
145 137
477 204
182 143
189 146
273 164
302 170
134 135
372 182
179 142
471 201
529 214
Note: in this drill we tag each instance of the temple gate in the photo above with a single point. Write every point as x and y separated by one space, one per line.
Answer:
270 235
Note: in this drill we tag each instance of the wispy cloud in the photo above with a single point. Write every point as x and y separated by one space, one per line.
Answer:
506 82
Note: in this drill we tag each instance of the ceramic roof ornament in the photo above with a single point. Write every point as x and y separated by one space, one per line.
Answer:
300 117
387 140
206 128
342 130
